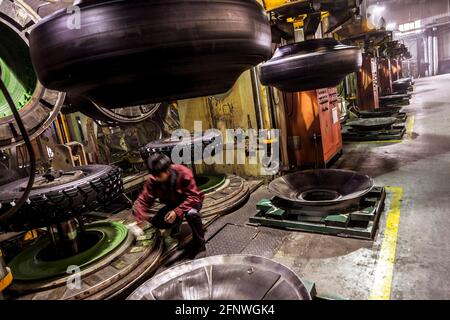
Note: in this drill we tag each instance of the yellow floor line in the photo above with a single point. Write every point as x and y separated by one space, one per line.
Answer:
384 271
410 126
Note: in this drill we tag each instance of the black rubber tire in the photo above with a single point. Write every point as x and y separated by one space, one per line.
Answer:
138 52
309 65
166 145
100 185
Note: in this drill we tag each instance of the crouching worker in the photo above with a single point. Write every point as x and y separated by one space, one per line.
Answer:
175 187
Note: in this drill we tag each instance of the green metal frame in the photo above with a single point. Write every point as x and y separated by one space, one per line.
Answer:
359 222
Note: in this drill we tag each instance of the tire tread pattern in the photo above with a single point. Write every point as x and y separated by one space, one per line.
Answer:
56 206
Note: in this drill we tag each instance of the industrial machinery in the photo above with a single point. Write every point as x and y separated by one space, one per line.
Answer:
314 129
205 58
234 277
122 67
306 65
37 105
377 98
385 76
307 72
223 192
99 259
337 202
122 116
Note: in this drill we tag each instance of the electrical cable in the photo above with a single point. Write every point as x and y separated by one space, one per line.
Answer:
27 141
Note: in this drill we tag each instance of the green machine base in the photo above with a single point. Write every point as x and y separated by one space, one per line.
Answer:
356 222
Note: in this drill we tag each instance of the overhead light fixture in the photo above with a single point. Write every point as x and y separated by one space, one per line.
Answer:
391 26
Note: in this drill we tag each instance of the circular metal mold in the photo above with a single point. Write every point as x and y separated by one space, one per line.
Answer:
320 188
381 112
372 124
16 70
37 105
225 277
208 182
137 52
114 276
312 64
30 264
319 195
124 116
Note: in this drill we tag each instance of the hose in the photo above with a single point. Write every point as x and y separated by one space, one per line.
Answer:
30 150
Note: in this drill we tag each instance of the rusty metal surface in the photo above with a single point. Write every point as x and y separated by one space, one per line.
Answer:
222 277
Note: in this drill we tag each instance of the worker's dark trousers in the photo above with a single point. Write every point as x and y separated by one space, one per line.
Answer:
193 218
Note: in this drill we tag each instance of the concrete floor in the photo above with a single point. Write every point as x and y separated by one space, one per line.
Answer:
359 269
421 166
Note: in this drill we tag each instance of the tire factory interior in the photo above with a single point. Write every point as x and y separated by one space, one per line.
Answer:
342 193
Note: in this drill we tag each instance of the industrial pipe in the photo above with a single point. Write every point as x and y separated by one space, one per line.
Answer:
257 99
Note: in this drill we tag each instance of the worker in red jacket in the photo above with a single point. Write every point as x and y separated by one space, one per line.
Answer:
174 185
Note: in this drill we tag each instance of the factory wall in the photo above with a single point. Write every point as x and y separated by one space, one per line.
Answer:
409 11
444 49
231 110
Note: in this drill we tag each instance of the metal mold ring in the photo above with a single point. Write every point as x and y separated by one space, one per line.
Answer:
224 277
323 187
43 105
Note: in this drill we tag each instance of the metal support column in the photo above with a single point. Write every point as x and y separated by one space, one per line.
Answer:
435 52
430 56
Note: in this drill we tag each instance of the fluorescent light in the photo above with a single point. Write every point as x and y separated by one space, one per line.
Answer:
391 26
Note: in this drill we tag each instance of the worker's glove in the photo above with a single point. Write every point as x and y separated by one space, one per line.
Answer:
135 229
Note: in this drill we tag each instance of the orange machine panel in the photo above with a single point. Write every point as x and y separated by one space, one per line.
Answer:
368 97
385 76
395 69
314 129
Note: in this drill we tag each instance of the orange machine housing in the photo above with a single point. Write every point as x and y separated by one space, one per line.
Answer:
385 76
367 77
314 128
396 69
